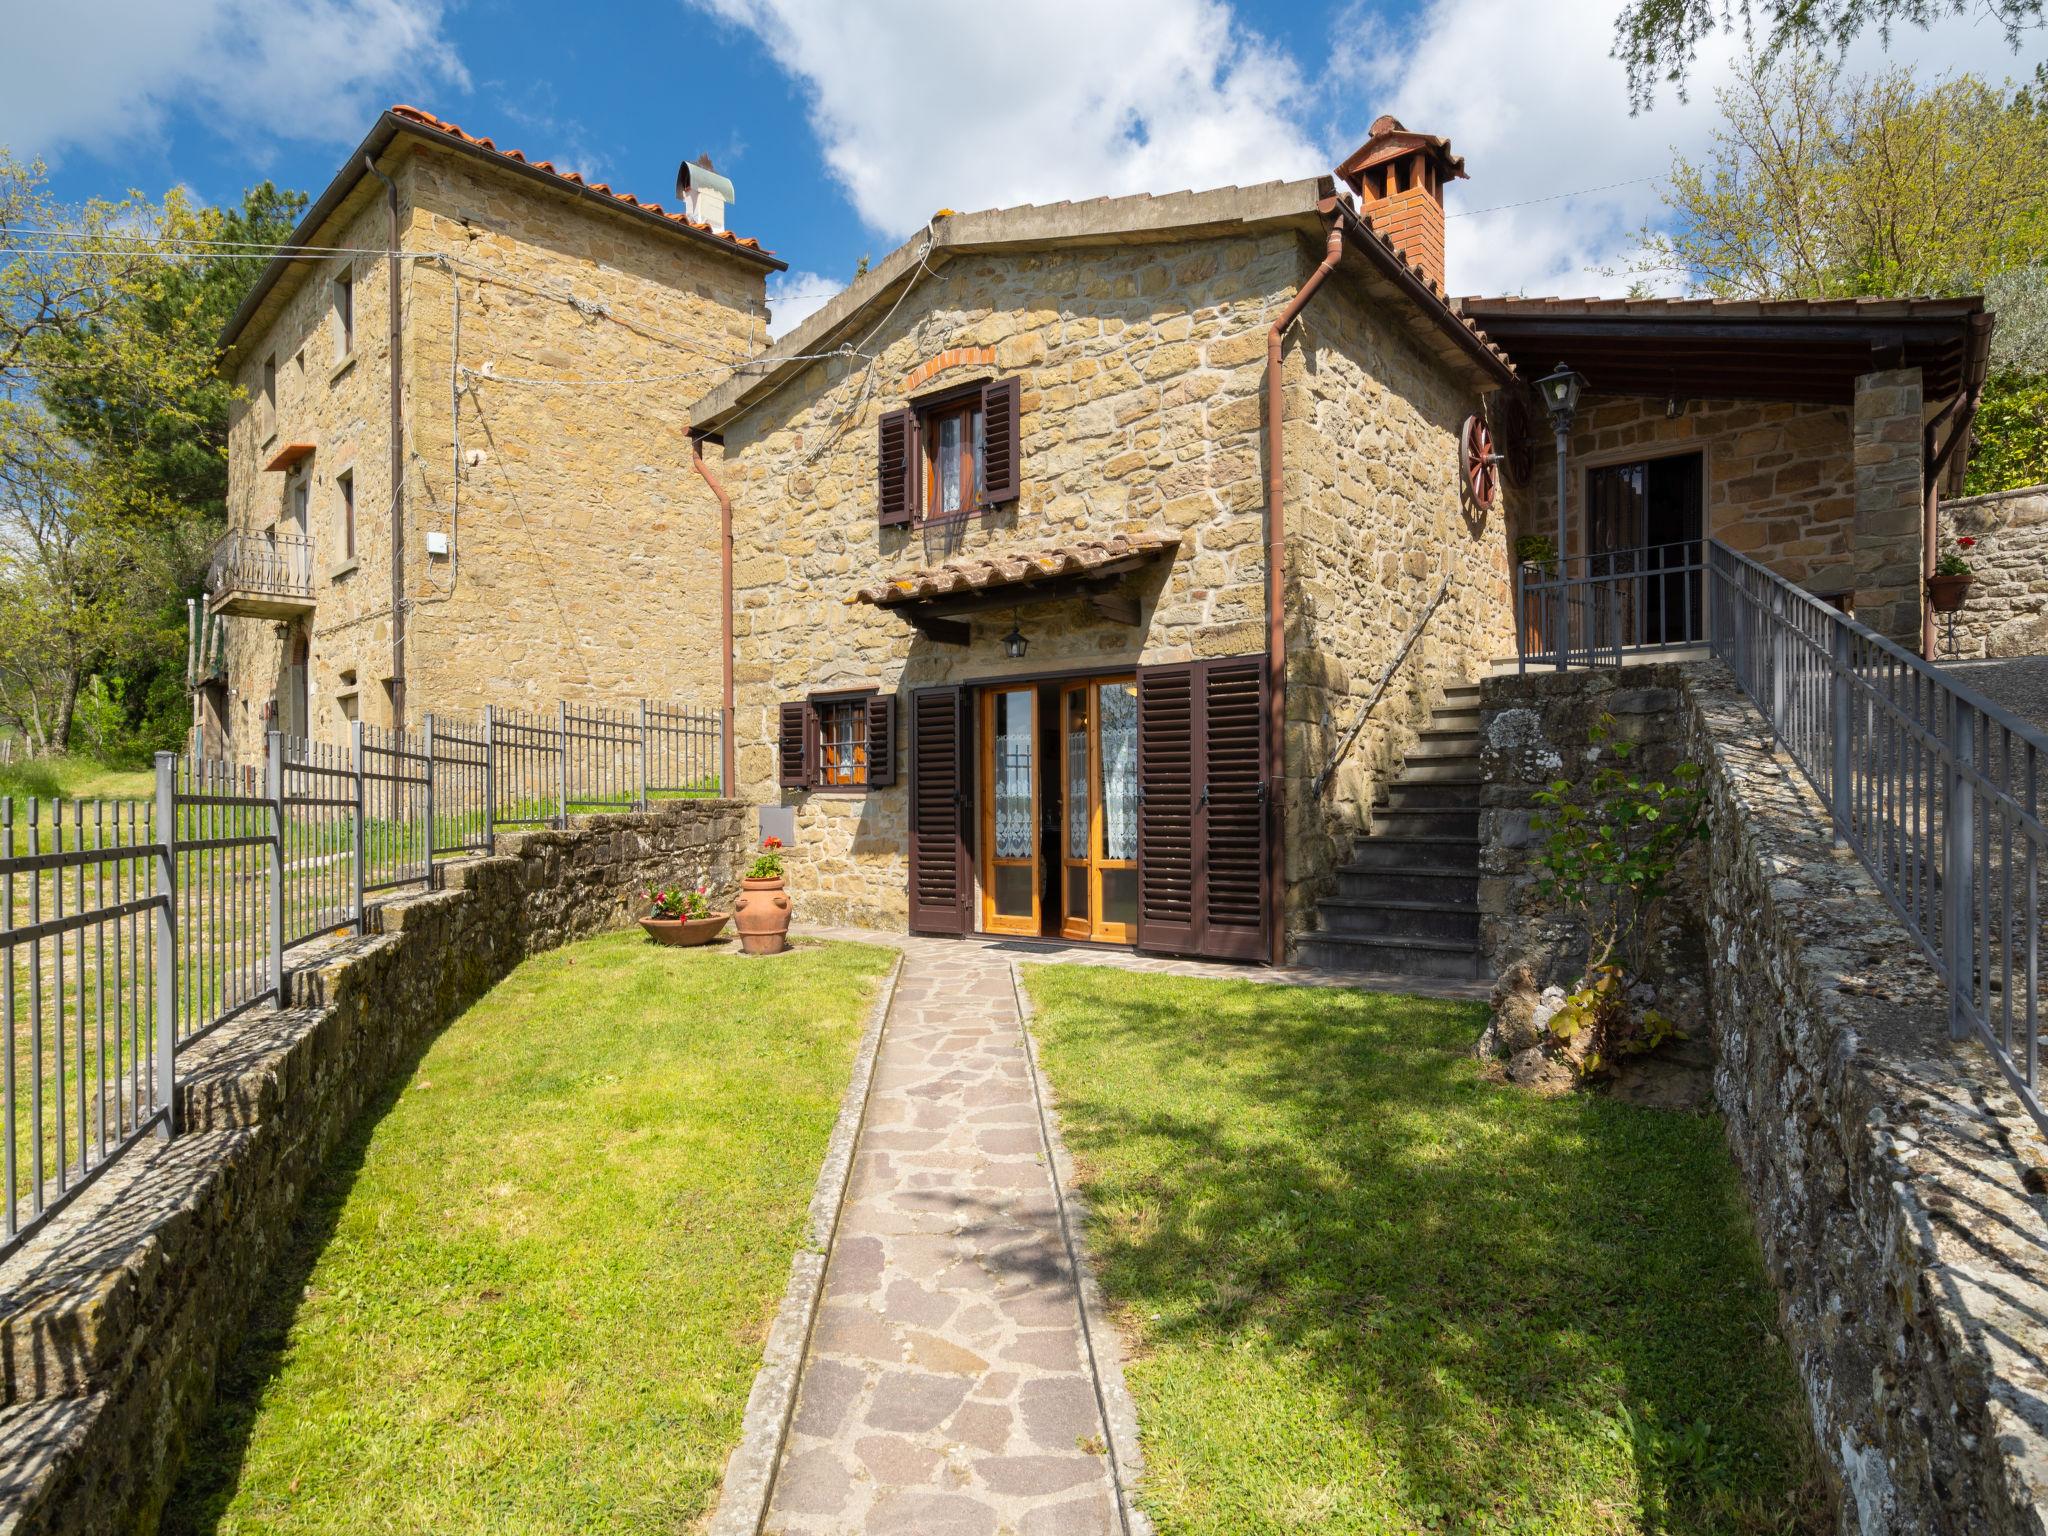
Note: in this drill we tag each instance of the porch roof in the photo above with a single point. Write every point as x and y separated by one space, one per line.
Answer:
1787 349
931 596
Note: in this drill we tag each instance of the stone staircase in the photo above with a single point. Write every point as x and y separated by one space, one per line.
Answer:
1407 903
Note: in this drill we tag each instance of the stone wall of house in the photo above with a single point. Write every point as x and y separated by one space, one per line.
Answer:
121 1312
2007 610
1891 1177
1376 524
1779 478
548 446
1141 370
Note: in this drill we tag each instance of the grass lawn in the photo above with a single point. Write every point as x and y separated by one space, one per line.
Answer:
1368 1290
74 778
530 1294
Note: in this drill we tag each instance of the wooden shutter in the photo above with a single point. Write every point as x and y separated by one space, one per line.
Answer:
793 747
881 740
939 790
1203 883
1231 816
1166 808
896 466
1002 453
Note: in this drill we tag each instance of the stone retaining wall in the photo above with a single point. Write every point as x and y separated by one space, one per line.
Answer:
1889 1173
118 1316
2006 613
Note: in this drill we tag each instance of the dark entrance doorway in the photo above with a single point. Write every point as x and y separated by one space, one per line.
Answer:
1645 522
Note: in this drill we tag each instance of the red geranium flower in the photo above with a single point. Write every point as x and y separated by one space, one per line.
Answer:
1966 542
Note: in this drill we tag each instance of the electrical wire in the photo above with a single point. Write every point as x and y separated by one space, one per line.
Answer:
1471 213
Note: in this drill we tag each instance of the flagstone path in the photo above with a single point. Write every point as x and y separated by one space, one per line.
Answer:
949 1389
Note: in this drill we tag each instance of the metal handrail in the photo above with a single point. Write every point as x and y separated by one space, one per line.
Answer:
1575 610
1322 779
276 563
1934 787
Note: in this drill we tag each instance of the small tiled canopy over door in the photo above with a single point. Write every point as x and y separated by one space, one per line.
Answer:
940 879
1202 877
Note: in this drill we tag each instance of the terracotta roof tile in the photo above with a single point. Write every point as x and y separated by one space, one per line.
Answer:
1015 567
441 125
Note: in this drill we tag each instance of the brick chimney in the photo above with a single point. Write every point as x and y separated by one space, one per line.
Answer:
1399 178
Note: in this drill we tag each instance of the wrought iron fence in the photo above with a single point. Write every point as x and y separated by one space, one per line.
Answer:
128 929
275 564
1586 608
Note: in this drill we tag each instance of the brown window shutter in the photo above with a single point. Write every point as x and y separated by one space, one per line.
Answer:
896 465
1232 889
940 786
1002 452
881 740
793 747
1167 727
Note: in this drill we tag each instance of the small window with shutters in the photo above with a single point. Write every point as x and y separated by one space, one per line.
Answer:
949 455
837 741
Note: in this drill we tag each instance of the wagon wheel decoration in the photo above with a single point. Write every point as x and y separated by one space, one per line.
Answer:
1515 432
1478 464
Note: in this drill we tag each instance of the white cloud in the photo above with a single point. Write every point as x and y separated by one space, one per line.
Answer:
110 72
929 106
794 296
1550 114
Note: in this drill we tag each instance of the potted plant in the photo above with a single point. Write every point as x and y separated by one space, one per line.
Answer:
679 916
762 913
1950 583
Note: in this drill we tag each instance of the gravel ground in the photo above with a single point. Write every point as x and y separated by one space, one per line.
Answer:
2018 683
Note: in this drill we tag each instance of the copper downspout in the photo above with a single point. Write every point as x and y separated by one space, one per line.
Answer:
397 456
725 754
1276 571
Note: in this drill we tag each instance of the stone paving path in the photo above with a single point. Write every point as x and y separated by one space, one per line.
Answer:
948 1389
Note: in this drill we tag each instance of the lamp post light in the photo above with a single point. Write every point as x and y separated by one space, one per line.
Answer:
1560 389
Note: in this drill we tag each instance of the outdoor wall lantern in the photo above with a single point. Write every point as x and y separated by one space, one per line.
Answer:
1560 389
1014 642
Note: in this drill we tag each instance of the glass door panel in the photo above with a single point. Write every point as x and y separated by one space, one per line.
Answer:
1116 783
1078 835
1009 832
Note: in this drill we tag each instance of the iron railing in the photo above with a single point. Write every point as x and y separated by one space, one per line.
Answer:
273 564
1935 788
128 929
1588 608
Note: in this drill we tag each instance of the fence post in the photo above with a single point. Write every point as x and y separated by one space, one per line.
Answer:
490 784
429 750
1841 700
273 791
645 798
1959 833
166 840
562 771
356 850
1778 677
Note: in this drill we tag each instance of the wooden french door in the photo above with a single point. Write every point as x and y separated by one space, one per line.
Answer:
1010 792
1098 736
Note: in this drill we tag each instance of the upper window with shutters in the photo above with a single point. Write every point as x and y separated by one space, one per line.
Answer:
949 455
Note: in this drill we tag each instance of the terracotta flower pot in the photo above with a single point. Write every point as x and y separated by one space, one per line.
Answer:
685 930
1945 594
762 916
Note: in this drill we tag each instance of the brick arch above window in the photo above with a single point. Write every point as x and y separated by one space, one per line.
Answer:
952 357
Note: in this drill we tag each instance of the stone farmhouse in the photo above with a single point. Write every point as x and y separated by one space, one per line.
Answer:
1117 571
444 504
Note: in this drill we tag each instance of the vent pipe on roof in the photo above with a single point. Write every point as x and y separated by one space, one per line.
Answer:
704 192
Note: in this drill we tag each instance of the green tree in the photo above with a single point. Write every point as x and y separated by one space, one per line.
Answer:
1658 40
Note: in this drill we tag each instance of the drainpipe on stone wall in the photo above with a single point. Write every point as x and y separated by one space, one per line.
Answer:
1930 533
1276 573
725 753
397 451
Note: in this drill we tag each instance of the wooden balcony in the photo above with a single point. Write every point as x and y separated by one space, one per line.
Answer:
261 576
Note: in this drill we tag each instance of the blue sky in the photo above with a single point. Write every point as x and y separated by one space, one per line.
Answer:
845 124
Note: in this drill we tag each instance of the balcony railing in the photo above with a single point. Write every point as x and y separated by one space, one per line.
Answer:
1592 608
262 575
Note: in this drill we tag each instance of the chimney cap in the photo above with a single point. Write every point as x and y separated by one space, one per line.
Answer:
701 178
1388 139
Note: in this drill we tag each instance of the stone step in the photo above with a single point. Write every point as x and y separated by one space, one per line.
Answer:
1426 821
1440 746
1438 770
1462 693
1409 882
1369 952
1453 720
1434 794
1396 916
1459 855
